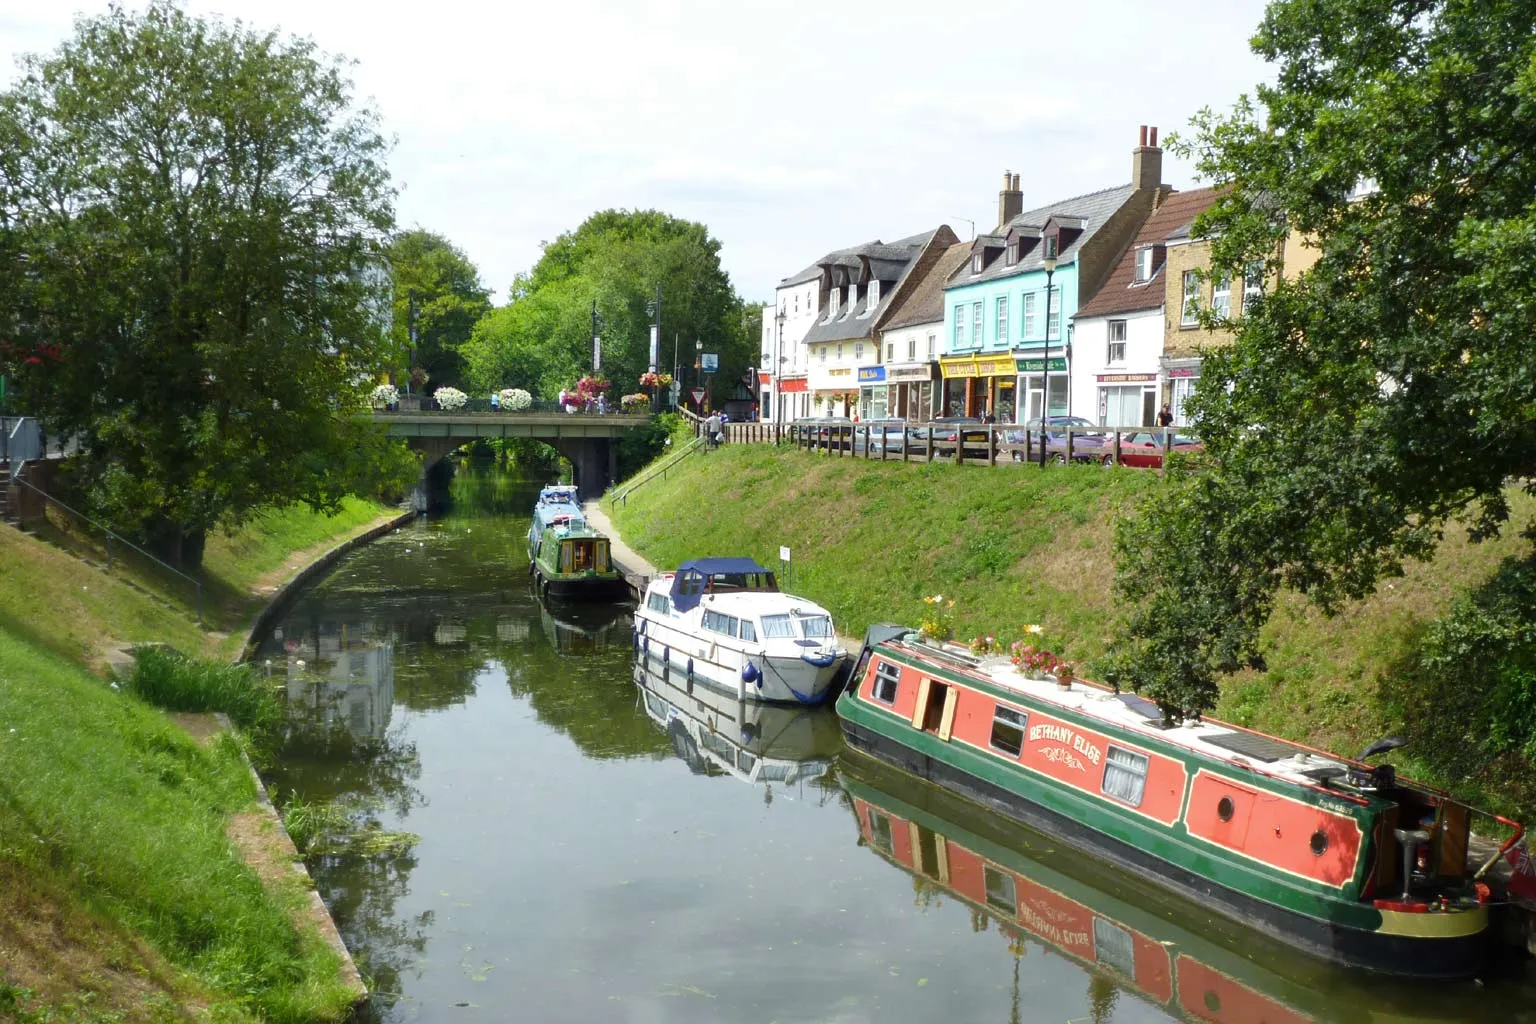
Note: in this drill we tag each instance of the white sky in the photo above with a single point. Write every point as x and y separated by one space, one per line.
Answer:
789 128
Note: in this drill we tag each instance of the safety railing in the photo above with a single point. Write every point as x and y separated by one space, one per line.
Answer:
989 444
619 496
113 538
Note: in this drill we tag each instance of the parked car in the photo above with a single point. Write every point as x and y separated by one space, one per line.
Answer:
1146 448
825 431
884 435
949 430
1088 440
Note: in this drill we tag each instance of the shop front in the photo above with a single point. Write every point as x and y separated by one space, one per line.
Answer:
1183 377
912 394
835 392
1035 375
1127 399
874 393
794 397
978 385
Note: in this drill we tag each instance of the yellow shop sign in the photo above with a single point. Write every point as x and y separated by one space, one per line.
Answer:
977 366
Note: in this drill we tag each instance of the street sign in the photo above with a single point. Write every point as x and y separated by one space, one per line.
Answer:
698 396
710 362
783 553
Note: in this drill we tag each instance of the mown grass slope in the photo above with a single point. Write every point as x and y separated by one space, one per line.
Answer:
113 819
1017 545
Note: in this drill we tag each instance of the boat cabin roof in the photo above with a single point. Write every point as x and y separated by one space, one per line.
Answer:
701 576
1267 755
561 494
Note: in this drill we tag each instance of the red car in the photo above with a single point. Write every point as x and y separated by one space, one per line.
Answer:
1146 448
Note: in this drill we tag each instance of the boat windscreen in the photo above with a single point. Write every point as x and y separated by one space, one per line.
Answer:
778 626
815 627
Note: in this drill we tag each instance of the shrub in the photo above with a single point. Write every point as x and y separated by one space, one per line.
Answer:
172 681
385 394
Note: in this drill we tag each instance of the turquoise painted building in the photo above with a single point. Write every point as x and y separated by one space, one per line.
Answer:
999 331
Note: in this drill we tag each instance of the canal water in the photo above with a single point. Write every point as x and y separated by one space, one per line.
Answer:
595 843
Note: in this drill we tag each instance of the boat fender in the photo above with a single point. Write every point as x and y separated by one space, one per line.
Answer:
750 674
819 660
666 663
690 671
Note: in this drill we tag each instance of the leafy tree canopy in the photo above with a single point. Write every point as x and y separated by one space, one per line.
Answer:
449 299
192 217
1392 387
542 340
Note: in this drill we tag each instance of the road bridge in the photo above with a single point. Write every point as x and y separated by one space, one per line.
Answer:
586 439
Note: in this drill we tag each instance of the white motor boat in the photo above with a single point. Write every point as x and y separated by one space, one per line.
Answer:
724 624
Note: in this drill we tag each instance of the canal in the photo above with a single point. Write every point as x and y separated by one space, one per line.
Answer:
550 834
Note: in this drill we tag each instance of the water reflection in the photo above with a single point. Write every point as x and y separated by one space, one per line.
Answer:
1129 939
715 734
585 628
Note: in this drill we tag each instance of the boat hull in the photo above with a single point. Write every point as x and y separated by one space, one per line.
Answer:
583 588
1420 956
778 680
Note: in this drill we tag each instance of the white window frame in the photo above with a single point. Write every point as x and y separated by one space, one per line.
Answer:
1053 315
1013 252
1253 284
1012 718
978 324
890 351
1189 309
912 346
932 339
822 352
883 679
1144 264
1002 319
960 312
1221 296
858 351
976 259
874 296
1027 314
839 351
1115 348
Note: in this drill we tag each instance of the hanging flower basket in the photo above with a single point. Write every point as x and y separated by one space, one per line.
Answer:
449 399
384 396
515 399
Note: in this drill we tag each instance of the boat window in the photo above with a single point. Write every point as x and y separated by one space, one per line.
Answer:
745 762
657 603
887 682
565 557
880 831
718 623
748 631
581 556
1114 947
602 556
1000 891
717 745
1008 730
778 626
815 627
1125 775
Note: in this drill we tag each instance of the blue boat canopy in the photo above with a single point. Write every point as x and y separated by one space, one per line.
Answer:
704 575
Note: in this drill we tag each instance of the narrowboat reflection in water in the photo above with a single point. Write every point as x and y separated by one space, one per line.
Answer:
1034 888
582 629
716 734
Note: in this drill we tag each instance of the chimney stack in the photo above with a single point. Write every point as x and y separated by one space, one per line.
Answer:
1010 201
1147 162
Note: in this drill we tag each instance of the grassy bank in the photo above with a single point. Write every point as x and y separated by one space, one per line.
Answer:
1015 545
121 895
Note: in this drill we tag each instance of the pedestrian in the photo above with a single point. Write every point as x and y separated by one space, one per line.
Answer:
1165 416
495 401
602 405
712 430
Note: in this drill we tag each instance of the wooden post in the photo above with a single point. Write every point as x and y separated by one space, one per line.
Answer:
1167 447
904 441
884 433
991 446
866 441
1069 444
1117 447
959 444
928 444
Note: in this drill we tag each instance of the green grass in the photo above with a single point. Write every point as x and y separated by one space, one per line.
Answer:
242 557
1015 545
107 806
169 680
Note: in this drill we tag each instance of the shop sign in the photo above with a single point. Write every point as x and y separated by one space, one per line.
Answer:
901 373
764 378
1127 378
792 387
974 367
1057 365
839 371
1185 371
871 374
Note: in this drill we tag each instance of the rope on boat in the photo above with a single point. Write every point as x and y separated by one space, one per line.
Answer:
802 698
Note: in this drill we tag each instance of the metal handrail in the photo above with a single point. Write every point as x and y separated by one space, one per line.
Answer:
662 470
111 536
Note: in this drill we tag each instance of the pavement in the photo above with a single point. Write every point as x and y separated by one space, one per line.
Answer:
636 570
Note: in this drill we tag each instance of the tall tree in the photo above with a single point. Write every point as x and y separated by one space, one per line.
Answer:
617 259
434 281
199 213
1391 388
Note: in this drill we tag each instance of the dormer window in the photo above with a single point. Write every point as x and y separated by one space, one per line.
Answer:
1144 264
874 294
1013 252
1050 247
976 262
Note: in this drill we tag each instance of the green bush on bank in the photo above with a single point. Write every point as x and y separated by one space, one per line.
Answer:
108 801
172 681
1467 695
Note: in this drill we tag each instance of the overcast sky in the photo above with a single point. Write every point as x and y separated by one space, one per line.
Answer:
788 128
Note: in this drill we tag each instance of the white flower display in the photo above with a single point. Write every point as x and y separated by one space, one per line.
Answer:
450 398
515 399
385 394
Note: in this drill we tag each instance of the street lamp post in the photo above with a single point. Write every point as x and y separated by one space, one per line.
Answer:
1045 364
778 383
698 369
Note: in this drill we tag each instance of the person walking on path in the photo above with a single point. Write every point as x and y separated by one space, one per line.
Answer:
1165 416
712 430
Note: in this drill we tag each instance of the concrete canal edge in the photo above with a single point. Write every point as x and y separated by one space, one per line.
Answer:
289 589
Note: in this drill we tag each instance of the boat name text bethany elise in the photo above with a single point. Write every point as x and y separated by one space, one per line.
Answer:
1068 737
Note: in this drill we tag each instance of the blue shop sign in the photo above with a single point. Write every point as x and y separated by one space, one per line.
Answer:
871 374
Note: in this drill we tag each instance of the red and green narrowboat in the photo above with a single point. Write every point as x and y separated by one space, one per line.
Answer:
1027 887
1331 855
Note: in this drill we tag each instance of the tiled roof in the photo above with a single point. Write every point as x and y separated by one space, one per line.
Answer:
1094 208
890 273
1121 292
924 304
